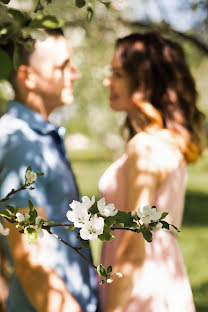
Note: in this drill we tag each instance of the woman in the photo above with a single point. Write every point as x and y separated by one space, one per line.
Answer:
151 81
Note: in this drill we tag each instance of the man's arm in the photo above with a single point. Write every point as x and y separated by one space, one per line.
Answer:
44 288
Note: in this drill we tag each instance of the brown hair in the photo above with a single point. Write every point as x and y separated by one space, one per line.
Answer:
24 52
157 66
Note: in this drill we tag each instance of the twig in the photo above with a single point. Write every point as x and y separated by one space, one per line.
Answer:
23 187
76 249
165 27
47 228
127 229
57 224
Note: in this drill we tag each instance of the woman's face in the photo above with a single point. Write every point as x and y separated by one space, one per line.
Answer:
119 85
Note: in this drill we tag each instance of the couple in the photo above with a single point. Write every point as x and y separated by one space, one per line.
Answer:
151 82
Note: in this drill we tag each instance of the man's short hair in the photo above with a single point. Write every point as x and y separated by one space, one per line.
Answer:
24 52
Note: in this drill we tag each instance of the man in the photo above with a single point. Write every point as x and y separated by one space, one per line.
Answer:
48 276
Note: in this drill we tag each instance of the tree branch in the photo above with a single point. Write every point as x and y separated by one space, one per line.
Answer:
23 187
166 28
76 249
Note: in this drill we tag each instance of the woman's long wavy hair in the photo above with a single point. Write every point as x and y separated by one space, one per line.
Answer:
156 66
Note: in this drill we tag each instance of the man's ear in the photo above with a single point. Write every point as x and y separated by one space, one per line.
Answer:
26 77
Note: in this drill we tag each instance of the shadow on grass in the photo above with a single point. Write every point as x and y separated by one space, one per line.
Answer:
196 209
201 292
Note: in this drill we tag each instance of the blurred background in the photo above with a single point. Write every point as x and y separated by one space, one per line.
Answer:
93 137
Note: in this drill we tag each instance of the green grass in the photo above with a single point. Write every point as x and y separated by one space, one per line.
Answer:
193 241
88 174
193 238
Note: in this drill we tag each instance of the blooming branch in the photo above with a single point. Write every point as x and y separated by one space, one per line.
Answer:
94 220
30 178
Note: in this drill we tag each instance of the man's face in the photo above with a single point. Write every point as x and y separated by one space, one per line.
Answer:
50 64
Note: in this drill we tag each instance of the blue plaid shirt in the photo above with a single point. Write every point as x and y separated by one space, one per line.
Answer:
27 139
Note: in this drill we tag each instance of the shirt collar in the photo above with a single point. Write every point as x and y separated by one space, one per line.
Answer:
33 119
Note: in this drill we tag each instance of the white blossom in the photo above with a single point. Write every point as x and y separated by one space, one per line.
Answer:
133 213
148 214
109 280
79 214
4 231
40 233
30 176
37 220
92 228
86 202
38 227
119 274
34 235
20 217
106 210
27 216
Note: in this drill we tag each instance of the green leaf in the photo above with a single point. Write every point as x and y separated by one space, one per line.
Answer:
31 235
33 214
80 3
39 174
30 45
5 65
5 1
164 215
147 235
30 204
106 4
47 21
19 17
106 236
39 7
17 208
93 209
22 231
101 270
124 219
165 225
84 242
110 221
6 214
89 13
102 282
10 208
71 227
29 168
109 269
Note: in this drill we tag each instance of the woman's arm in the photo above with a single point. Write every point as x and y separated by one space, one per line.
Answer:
43 287
141 185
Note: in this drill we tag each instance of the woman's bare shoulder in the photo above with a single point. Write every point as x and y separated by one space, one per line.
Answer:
155 153
140 142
